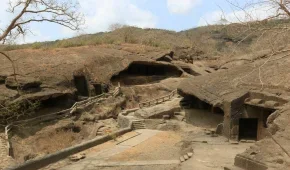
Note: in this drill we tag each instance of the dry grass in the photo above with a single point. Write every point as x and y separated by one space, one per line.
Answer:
216 40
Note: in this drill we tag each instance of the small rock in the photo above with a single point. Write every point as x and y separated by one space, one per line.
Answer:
77 157
186 157
190 154
103 129
244 141
250 141
234 142
99 134
214 135
29 157
182 159
166 117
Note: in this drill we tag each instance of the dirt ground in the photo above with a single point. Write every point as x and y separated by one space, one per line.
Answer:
210 153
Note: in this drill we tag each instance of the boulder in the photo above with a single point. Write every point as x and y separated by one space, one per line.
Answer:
181 159
158 111
219 129
22 83
190 154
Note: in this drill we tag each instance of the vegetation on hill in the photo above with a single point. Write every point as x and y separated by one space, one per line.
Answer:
214 40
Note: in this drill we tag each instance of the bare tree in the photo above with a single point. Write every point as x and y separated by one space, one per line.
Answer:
265 22
61 12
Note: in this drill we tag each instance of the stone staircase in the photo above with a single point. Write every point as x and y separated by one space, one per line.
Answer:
138 124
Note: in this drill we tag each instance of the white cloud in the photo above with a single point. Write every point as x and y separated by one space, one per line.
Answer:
100 14
181 6
34 36
253 13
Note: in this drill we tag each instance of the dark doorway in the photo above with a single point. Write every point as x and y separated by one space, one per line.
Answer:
81 85
98 89
144 73
248 129
218 110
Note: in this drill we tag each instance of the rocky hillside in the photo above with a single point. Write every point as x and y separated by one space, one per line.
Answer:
202 42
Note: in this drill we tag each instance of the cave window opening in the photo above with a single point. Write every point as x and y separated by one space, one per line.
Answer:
98 89
64 101
81 85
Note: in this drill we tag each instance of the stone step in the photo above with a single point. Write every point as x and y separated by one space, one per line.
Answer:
139 125
138 121
233 168
179 113
181 159
179 117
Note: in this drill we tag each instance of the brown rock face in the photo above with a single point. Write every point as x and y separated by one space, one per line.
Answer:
22 83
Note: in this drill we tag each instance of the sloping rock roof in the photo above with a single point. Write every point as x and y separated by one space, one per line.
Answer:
265 75
53 66
270 75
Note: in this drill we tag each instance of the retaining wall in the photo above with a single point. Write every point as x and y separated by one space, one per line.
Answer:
55 157
124 120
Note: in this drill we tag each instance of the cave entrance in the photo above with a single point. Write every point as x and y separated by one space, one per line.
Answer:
248 128
98 89
145 72
261 114
200 113
81 85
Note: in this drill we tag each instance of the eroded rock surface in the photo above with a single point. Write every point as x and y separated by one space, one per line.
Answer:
22 83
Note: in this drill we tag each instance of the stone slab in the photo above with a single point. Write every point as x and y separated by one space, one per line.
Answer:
144 135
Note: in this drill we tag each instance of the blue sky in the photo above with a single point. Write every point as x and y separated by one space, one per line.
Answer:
174 15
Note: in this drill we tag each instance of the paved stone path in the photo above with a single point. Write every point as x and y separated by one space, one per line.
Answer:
92 165
99 159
